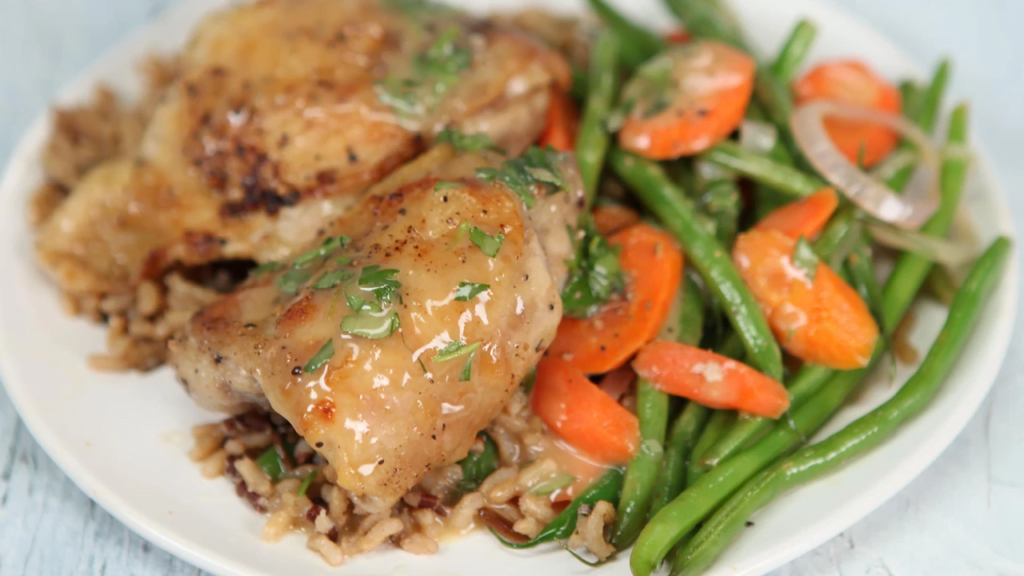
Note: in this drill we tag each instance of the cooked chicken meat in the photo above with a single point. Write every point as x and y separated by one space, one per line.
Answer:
285 111
389 350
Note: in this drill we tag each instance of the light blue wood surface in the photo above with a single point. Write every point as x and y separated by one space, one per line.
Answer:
964 515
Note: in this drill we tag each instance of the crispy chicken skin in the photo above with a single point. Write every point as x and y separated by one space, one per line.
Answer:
386 411
281 118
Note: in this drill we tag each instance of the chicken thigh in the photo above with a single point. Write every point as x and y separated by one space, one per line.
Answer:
284 113
389 349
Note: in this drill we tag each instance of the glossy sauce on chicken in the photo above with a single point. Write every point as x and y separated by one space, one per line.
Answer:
390 348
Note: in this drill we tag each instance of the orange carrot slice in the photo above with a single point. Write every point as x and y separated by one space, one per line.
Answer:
678 36
653 265
851 82
710 379
687 99
821 320
581 414
562 123
804 217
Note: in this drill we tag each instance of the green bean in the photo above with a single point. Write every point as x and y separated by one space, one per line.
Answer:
911 269
866 432
709 257
476 467
925 114
941 284
862 277
777 100
692 418
911 94
580 85
763 170
708 19
636 43
682 514
794 51
807 382
608 488
719 423
720 201
642 472
593 138
836 241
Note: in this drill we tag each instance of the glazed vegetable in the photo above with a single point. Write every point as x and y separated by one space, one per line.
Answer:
686 99
924 113
721 201
477 466
677 214
595 273
562 123
636 44
592 143
713 380
852 82
764 170
866 432
606 488
679 446
794 51
804 218
642 473
581 414
682 514
652 264
611 218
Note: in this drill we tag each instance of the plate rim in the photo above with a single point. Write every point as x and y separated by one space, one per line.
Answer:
195 552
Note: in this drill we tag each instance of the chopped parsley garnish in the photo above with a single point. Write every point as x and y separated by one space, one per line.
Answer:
292 281
467 368
594 274
455 349
272 463
805 259
446 184
469 290
332 279
321 357
433 72
648 93
537 167
306 482
381 282
330 244
371 324
465 142
265 268
487 244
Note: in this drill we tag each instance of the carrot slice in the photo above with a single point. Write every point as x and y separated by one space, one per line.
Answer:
562 123
678 36
804 217
710 379
821 320
581 414
653 265
687 99
852 82
611 218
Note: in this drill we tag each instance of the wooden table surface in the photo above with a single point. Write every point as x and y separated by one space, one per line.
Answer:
964 515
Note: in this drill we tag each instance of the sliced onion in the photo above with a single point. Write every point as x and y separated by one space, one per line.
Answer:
758 137
908 210
949 253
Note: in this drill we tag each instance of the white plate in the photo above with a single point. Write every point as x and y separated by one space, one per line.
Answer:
122 438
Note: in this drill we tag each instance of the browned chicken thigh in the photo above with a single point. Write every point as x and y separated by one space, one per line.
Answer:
390 349
284 113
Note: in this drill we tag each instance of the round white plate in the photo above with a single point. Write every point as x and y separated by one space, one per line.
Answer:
123 437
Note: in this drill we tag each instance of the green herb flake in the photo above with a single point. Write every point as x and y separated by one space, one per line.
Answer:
805 259
595 274
272 464
487 244
469 290
381 282
467 369
370 324
266 268
292 281
332 279
454 349
537 167
306 482
321 357
330 244
446 184
433 72
465 142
